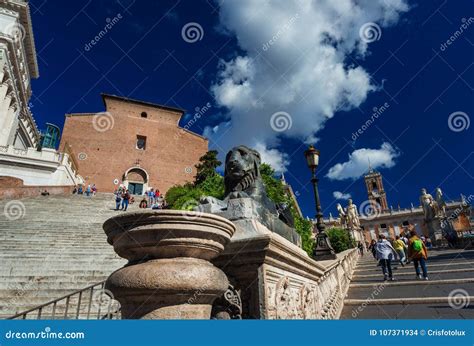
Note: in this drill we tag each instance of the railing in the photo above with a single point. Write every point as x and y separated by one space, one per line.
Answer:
92 302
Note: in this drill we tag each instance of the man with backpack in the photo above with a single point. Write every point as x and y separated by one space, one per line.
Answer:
418 253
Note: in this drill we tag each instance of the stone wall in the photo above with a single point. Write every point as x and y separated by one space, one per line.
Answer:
13 188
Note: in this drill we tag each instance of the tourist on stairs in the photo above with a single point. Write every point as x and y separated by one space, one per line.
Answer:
385 254
418 253
399 246
125 200
118 199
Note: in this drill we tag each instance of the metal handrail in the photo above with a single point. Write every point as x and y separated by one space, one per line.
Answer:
111 311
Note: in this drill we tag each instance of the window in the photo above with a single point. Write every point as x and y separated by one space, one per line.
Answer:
374 185
144 115
141 142
405 223
383 225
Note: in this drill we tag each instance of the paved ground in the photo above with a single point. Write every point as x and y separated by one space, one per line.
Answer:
448 294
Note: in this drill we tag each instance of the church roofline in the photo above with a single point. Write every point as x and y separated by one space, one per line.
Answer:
145 103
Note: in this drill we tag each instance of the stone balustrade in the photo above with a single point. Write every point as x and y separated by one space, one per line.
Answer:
46 167
261 274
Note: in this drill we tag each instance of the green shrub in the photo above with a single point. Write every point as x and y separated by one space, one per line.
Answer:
210 183
340 239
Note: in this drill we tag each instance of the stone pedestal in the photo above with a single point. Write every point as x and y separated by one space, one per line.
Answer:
169 275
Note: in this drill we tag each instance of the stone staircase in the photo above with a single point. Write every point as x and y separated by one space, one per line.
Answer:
51 246
448 294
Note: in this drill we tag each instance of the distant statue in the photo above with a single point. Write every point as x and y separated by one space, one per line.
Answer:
441 203
242 179
352 216
342 215
429 205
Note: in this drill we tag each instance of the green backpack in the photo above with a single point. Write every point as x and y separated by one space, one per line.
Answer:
417 245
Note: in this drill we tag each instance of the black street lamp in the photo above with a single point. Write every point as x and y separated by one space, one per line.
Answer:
323 249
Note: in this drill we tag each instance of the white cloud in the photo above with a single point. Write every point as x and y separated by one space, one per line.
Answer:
296 60
273 157
340 195
358 162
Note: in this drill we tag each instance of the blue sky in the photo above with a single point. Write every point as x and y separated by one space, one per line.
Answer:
313 65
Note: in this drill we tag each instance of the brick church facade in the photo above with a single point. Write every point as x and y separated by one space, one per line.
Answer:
137 143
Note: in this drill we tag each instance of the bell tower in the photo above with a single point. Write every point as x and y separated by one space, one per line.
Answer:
375 191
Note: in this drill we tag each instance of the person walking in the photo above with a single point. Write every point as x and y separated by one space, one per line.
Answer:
385 254
88 190
372 248
125 200
399 246
151 197
418 253
361 248
118 199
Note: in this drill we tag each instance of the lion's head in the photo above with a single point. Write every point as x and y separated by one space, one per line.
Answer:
241 168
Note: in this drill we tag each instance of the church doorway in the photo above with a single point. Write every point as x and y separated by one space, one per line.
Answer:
135 188
136 180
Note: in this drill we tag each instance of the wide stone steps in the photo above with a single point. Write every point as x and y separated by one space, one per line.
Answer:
55 246
447 293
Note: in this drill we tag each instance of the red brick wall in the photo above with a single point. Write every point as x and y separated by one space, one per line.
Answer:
106 155
12 188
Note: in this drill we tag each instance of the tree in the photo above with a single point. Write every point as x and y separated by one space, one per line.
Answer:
207 166
340 239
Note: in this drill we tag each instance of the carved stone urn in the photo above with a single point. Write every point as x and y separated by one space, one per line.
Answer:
169 274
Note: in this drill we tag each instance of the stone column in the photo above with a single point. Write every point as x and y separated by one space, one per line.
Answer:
169 274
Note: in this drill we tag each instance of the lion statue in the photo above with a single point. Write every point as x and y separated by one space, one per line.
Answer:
242 179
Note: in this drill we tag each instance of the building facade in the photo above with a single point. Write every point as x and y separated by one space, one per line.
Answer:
133 142
18 65
391 222
20 156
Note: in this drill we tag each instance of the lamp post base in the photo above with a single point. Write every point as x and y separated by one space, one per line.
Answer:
323 250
